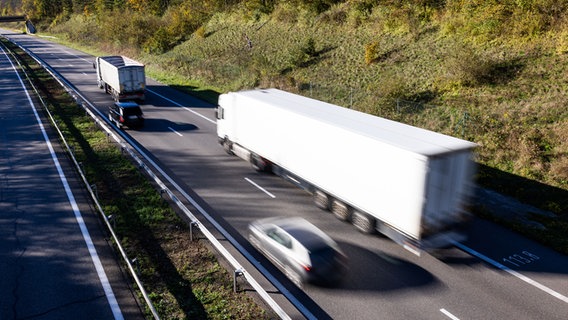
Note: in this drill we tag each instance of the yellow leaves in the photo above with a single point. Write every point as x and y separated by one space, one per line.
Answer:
562 42
138 5
371 52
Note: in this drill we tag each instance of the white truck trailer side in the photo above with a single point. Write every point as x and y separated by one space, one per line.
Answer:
121 77
406 182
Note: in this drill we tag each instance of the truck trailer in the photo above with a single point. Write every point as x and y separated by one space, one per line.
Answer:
121 77
411 184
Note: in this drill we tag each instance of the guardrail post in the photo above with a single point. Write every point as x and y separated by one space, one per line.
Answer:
94 188
137 265
236 274
112 220
192 224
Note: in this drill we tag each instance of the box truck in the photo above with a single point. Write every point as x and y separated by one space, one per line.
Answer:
121 77
411 184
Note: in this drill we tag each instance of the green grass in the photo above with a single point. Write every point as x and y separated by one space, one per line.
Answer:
183 278
509 97
489 72
449 70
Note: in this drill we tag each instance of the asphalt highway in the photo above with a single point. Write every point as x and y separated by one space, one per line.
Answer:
495 274
54 261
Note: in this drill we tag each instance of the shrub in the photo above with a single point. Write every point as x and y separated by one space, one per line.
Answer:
161 41
465 67
309 47
371 52
319 6
562 42
200 32
361 11
287 13
337 14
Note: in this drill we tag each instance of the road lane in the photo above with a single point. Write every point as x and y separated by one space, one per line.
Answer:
49 264
385 281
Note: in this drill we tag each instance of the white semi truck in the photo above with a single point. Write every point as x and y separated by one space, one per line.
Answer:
408 183
121 77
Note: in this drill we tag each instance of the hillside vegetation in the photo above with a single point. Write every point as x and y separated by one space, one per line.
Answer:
493 72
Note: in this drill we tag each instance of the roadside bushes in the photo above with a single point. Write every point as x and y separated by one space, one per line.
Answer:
141 31
484 21
371 52
464 66
177 25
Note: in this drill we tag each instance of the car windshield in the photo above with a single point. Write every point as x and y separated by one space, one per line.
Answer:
132 111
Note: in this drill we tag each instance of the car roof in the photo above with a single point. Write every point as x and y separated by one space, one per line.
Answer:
127 104
303 231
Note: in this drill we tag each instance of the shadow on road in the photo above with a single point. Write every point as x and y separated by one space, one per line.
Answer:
387 273
540 195
164 125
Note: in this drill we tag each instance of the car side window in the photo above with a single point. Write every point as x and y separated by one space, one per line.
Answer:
280 237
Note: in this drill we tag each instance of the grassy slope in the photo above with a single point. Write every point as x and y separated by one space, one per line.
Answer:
507 95
491 80
515 102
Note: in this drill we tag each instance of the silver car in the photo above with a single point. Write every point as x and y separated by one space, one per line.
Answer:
301 250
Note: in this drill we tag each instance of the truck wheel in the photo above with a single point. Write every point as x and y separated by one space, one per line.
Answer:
340 210
363 222
321 200
259 164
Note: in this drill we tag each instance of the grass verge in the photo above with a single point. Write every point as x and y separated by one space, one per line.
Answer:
182 277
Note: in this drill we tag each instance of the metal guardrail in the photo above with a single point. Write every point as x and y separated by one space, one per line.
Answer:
130 147
93 196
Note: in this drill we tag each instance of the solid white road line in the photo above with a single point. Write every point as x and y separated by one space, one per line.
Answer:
91 247
448 314
261 188
174 131
513 272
